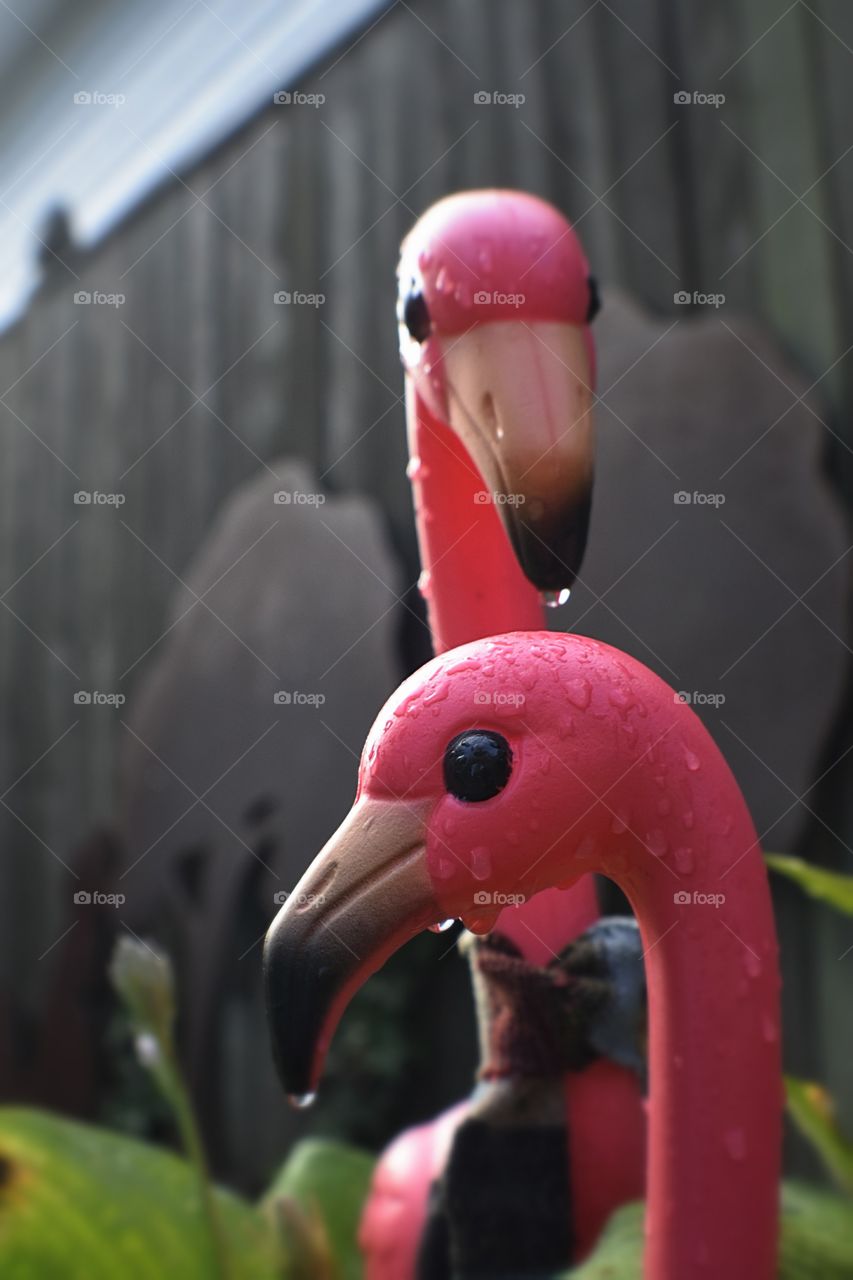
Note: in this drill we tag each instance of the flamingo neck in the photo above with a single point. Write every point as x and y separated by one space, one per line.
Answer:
473 588
703 905
471 580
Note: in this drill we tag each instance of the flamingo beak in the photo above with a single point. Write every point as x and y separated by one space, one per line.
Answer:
519 395
366 893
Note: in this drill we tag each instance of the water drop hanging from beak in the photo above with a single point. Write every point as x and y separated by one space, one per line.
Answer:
442 926
301 1100
554 599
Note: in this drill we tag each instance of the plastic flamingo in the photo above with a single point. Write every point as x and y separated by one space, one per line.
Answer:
455 795
495 300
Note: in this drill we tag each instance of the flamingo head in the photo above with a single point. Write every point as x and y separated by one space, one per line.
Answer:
478 788
495 304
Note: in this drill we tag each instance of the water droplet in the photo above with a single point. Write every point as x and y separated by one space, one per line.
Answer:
554 599
684 861
481 863
664 806
688 819
464 294
424 582
301 1100
752 964
692 761
619 825
413 466
437 693
736 1144
579 691
444 869
484 258
619 696
443 283
656 843
769 1030
442 926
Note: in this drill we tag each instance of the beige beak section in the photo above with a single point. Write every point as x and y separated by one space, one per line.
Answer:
519 397
366 893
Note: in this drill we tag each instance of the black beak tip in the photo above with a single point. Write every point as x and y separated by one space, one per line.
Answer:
550 550
287 1016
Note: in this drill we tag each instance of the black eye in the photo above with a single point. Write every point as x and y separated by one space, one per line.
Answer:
416 316
594 305
477 765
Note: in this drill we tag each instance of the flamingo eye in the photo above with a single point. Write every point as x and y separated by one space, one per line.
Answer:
416 316
594 305
477 765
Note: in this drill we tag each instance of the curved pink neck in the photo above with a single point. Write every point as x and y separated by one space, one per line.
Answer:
703 904
474 587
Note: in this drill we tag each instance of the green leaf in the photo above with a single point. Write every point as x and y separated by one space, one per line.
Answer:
80 1203
329 1180
619 1253
817 1234
813 1112
816 1240
826 886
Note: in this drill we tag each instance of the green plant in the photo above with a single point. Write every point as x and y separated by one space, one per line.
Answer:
79 1201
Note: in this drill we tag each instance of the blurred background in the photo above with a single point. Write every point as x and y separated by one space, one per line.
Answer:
208 566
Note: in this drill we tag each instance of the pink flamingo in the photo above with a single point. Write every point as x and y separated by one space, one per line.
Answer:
495 302
456 795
